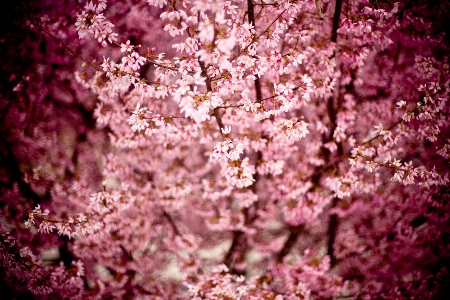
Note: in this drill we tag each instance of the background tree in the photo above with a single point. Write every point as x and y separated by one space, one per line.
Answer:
225 150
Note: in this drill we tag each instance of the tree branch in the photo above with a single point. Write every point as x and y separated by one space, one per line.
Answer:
336 18
319 9
290 242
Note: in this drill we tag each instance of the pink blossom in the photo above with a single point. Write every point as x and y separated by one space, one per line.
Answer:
248 150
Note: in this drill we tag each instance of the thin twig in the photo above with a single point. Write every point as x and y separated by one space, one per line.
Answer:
319 9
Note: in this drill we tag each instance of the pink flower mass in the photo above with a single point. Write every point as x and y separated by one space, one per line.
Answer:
212 149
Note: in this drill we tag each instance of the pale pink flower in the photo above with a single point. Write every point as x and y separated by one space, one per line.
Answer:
158 3
45 227
126 47
137 119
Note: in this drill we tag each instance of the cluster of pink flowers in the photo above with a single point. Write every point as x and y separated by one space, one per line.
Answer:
230 150
92 22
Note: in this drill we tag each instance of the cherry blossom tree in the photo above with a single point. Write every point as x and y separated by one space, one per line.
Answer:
200 149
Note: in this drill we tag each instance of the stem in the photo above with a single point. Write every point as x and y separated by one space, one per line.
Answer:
258 91
290 242
251 20
315 178
175 227
332 230
209 89
333 221
228 260
319 9
238 238
251 12
332 105
337 15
